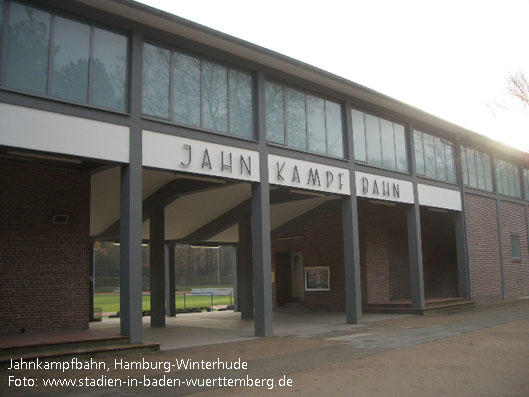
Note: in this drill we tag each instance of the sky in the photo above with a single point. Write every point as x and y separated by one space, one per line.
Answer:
448 58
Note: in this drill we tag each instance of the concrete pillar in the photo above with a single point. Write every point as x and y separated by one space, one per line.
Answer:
157 266
462 268
233 256
245 295
170 303
130 252
351 245
413 218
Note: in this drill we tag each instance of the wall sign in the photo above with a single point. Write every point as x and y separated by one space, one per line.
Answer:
382 188
189 155
301 174
433 196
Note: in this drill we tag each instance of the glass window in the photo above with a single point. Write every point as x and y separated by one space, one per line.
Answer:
333 117
296 123
434 157
214 96
359 137
156 62
240 96
419 152
526 183
515 248
508 179
440 159
429 155
374 149
312 123
1 22
316 124
476 167
186 89
464 166
450 166
28 41
400 148
388 144
275 123
109 70
71 51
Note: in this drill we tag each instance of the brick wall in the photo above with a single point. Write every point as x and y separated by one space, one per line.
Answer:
483 247
44 268
516 273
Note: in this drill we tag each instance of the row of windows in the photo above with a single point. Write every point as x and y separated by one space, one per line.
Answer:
302 121
48 54
196 92
379 142
434 157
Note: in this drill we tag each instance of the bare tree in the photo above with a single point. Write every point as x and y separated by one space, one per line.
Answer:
518 86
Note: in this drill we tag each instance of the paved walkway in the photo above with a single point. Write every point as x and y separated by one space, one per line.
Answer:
480 351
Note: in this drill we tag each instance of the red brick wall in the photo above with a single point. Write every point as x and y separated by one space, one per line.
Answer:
483 247
322 245
516 273
44 268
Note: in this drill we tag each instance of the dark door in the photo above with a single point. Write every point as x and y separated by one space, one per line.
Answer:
283 278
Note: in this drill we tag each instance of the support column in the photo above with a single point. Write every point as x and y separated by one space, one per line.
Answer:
233 256
157 266
245 295
91 282
130 251
351 247
462 273
170 281
413 218
261 255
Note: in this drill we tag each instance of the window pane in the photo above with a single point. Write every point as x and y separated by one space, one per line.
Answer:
109 70
429 155
517 187
296 123
464 165
359 138
241 103
400 148
515 247
275 127
214 96
333 118
28 41
450 164
526 184
186 89
71 52
504 178
1 21
388 144
471 162
440 160
316 124
480 171
374 155
487 167
156 81
419 153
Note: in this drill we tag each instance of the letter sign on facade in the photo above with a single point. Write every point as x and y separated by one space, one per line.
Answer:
381 188
188 155
307 175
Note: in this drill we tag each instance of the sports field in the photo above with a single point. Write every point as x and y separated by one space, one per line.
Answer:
109 302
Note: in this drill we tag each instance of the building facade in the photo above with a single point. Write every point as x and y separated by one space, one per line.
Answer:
124 123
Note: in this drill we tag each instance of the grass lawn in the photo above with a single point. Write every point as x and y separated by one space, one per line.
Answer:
110 302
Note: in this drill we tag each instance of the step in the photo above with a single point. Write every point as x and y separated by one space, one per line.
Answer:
82 354
64 345
407 309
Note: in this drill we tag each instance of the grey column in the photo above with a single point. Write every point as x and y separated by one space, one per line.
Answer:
233 256
157 266
170 281
131 208
261 246
130 250
413 218
245 295
462 267
351 237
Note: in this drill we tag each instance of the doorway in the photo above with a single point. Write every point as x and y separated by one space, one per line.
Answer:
290 282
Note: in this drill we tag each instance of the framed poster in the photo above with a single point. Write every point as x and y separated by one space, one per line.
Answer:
317 278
